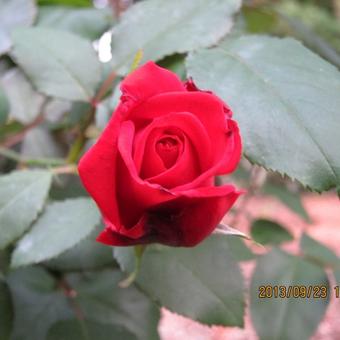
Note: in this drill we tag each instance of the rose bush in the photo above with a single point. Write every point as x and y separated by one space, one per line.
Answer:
152 170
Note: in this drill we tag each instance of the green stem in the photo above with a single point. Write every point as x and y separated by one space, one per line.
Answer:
139 250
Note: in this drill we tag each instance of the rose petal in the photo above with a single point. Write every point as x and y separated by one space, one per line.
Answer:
97 169
134 194
152 164
193 216
186 169
112 238
150 80
206 107
227 163
184 122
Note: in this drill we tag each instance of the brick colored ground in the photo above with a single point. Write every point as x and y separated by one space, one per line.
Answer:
324 211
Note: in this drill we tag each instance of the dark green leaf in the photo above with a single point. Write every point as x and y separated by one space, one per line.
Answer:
89 23
73 3
277 89
162 28
87 330
37 302
238 249
290 318
186 282
59 63
22 196
4 107
6 311
60 227
67 186
269 232
317 252
101 300
13 14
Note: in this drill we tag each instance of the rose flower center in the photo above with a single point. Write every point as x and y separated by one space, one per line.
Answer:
168 150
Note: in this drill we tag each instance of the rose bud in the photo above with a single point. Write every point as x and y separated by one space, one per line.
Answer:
152 170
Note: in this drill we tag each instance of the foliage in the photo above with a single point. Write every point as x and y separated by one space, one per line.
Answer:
56 97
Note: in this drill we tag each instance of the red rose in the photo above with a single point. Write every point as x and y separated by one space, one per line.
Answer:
152 170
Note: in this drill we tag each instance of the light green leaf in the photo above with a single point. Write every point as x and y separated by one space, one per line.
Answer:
269 232
286 101
4 107
317 252
38 303
61 226
6 311
87 330
291 317
13 14
101 300
59 63
39 143
161 28
189 284
22 196
25 102
86 255
89 23
55 109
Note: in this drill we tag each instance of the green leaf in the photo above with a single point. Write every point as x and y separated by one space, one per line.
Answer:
162 28
87 330
22 196
55 110
59 63
238 249
67 186
290 318
37 303
60 227
189 284
13 14
39 143
269 232
101 300
312 40
319 21
277 89
6 311
317 252
86 255
4 107
89 23
290 199
25 102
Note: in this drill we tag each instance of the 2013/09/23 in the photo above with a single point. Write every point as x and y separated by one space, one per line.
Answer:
296 291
